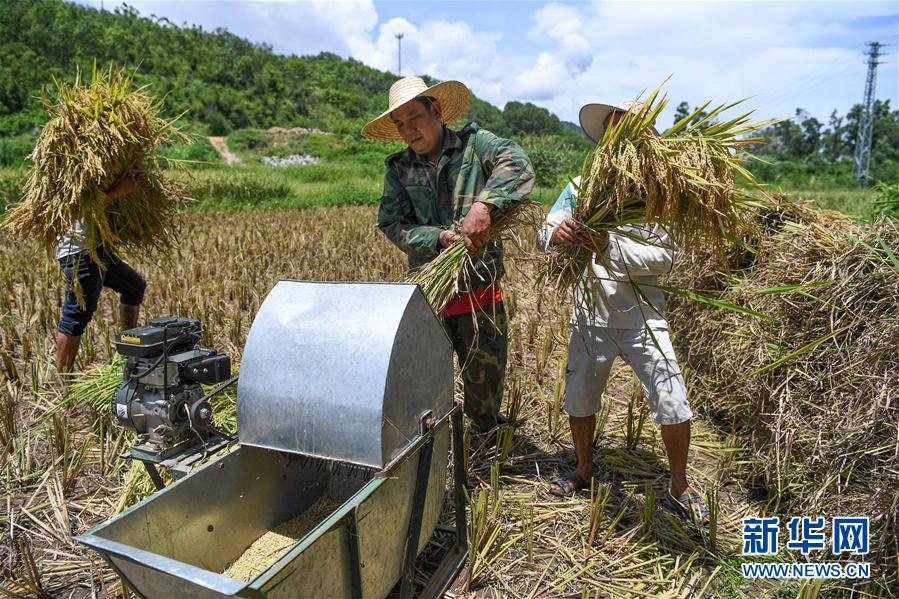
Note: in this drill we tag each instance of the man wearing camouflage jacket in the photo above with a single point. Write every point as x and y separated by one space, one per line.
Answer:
443 177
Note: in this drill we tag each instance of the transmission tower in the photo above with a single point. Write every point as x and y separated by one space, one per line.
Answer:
866 122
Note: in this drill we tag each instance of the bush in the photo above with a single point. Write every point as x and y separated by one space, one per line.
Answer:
808 173
14 150
344 195
887 201
554 161
201 151
247 139
240 187
11 183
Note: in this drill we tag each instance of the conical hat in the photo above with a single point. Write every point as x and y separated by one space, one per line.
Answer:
453 97
593 116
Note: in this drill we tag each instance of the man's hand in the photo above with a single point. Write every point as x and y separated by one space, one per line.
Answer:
568 233
126 184
448 238
476 226
596 242
565 234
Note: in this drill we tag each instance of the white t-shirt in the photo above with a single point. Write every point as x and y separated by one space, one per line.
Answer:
626 264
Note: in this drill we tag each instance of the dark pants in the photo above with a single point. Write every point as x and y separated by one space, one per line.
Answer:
482 349
115 274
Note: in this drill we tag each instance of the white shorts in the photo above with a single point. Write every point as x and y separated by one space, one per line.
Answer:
591 351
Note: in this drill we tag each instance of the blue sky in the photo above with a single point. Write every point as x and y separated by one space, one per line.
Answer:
562 54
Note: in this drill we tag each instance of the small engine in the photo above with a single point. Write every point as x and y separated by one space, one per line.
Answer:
161 397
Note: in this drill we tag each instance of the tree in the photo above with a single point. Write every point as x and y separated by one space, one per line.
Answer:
528 118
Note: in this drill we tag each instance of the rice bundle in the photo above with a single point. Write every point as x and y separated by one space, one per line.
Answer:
685 179
812 391
443 277
97 133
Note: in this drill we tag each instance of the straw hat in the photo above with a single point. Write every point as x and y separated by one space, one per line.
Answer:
593 116
453 97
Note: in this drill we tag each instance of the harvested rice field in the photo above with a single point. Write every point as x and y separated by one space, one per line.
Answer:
61 472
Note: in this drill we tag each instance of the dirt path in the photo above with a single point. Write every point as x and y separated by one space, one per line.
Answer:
221 146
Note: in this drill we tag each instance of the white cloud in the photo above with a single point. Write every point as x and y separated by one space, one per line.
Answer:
441 49
573 54
289 27
786 54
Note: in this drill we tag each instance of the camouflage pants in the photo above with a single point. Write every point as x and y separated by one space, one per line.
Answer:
482 350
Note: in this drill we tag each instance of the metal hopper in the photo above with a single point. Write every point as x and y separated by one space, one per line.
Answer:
343 371
345 389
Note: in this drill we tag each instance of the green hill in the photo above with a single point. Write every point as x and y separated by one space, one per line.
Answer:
224 82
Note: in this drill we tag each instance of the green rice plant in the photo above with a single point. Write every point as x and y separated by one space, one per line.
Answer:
636 415
599 500
216 188
554 407
488 538
649 506
504 438
95 135
602 417
93 387
137 485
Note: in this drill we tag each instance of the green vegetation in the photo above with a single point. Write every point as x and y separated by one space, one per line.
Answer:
887 201
804 152
228 86
222 81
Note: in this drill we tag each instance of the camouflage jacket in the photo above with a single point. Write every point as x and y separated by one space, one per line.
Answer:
421 200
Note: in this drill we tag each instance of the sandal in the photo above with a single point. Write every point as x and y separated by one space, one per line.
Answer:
690 505
569 483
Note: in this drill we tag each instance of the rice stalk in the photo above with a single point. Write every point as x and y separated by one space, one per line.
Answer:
811 389
444 277
691 179
96 133
93 387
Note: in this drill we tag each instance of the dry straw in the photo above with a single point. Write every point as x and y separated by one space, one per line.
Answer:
812 389
95 134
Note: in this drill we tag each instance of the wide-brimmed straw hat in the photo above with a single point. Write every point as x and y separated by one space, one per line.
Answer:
453 97
593 116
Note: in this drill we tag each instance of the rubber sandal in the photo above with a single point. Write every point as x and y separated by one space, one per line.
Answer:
570 483
691 506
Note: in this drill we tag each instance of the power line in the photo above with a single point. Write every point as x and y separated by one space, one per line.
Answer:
815 78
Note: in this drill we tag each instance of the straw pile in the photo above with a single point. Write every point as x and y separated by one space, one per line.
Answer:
97 133
685 179
814 389
268 548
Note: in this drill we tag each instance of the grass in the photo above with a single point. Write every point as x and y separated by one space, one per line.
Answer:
857 202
